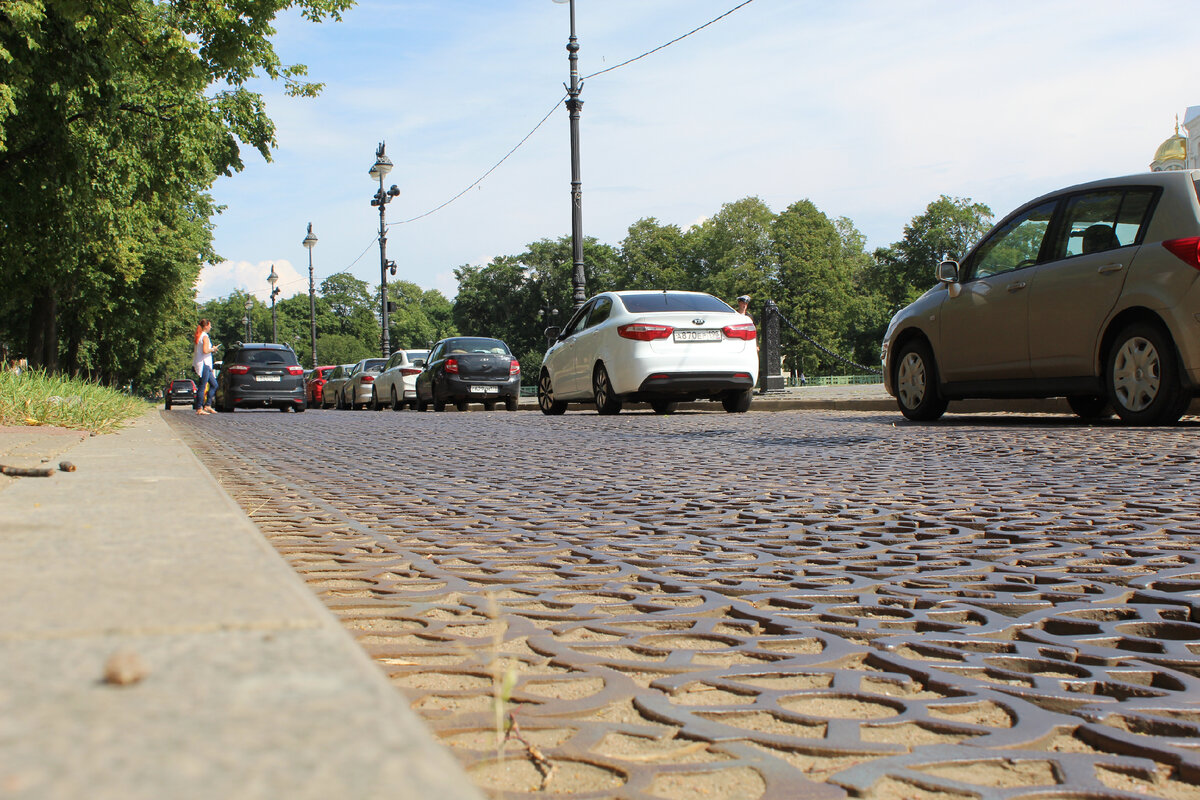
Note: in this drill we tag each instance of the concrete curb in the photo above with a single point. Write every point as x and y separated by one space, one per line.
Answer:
250 688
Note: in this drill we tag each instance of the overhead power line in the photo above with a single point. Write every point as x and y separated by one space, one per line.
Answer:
556 105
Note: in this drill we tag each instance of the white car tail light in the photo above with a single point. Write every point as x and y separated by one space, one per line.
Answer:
644 332
743 331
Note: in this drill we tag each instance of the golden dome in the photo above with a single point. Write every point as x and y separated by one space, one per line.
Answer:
1173 149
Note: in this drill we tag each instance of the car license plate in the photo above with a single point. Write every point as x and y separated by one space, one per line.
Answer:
271 378
484 390
698 336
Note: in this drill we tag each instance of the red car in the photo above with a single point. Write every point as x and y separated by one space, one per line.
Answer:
314 389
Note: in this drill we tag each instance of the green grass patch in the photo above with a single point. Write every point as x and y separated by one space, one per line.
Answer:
37 398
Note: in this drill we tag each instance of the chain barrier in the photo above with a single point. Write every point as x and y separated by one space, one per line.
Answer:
825 349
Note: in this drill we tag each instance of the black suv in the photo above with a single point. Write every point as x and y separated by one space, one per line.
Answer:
260 376
179 392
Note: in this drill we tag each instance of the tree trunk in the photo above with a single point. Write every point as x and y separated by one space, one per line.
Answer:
43 332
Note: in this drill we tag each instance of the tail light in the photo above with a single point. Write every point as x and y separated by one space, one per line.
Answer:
743 331
451 366
410 371
239 369
644 332
368 379
295 370
1187 250
514 368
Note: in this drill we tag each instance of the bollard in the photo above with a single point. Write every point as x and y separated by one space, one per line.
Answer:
770 373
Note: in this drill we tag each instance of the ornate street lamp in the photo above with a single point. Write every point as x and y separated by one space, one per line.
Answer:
273 279
574 105
382 166
246 319
309 242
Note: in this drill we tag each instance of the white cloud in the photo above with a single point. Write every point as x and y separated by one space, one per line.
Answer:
219 280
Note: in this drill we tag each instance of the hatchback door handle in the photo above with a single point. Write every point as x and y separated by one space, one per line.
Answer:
1017 286
1107 268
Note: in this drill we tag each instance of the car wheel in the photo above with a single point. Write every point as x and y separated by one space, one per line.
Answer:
229 406
489 405
168 404
1142 377
511 403
1090 407
396 404
663 406
916 383
375 404
461 405
606 401
284 409
300 407
545 396
421 404
737 402
439 403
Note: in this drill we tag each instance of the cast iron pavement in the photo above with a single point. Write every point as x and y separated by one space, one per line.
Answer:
813 604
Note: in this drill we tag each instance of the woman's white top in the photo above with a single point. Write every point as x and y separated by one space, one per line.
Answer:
199 357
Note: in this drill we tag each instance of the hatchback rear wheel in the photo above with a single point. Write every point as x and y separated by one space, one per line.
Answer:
737 402
1142 377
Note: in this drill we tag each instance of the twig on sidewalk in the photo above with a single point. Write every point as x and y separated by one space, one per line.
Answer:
26 472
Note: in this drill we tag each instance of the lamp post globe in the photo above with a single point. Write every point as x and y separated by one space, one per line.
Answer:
273 279
310 241
574 106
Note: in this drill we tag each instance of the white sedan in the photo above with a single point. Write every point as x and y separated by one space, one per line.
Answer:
658 347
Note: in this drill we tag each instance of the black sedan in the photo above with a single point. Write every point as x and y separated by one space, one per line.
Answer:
261 376
469 369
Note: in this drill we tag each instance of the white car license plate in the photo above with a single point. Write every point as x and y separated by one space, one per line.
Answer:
484 390
270 378
698 336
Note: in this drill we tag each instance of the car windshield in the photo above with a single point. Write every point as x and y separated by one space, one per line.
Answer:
374 365
268 357
672 301
474 344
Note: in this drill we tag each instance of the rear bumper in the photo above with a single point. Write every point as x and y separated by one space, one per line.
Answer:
266 398
455 388
682 385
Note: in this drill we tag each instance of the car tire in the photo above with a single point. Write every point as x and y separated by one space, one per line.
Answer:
1090 407
461 405
1141 376
375 404
737 402
489 405
511 403
607 402
301 407
421 404
167 404
663 406
545 396
916 383
284 409
439 402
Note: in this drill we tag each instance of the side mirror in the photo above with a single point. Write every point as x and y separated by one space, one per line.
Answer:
551 333
418 362
947 272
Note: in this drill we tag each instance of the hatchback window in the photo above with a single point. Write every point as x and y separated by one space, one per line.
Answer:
181 384
1013 246
1104 220
268 358
672 301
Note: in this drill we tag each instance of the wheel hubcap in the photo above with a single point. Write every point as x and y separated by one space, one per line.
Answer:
910 380
546 395
1136 375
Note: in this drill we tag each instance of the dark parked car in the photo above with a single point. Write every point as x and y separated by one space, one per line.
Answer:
314 386
180 392
469 369
261 376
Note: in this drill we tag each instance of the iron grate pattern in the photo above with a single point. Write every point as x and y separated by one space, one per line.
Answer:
757 606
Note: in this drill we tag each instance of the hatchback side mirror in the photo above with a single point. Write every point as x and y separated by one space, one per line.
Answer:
551 333
947 272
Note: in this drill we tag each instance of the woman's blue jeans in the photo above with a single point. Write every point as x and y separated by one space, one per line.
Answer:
207 379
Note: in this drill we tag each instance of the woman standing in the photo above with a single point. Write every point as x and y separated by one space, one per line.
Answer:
202 363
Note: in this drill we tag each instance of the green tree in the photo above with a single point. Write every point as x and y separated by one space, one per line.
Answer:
421 316
732 253
948 228
353 305
115 119
652 256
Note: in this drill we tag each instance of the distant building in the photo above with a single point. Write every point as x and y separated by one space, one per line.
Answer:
1181 151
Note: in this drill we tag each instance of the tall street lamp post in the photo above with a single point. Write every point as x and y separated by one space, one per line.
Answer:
246 319
574 105
309 242
273 279
382 166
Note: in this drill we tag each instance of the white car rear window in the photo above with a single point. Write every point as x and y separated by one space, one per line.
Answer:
672 301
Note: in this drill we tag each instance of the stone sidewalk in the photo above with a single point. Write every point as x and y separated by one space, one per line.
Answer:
241 684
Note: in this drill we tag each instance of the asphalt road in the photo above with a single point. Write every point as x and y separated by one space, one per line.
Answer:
762 605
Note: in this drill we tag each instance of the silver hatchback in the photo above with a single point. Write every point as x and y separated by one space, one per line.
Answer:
1090 293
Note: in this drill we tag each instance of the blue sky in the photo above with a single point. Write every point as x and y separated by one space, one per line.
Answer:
870 109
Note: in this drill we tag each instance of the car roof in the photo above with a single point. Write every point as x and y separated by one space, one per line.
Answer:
1137 179
261 346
